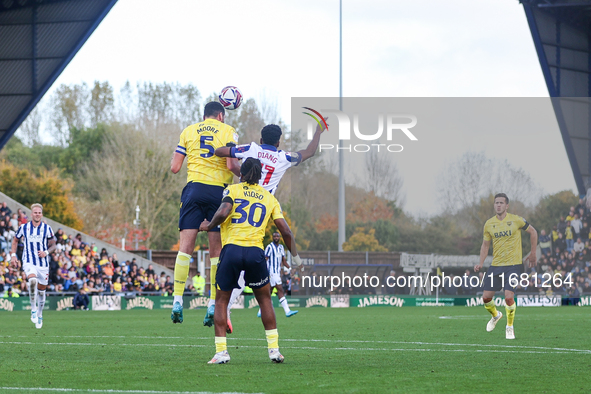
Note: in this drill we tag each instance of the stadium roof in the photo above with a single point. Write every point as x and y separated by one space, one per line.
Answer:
38 38
561 32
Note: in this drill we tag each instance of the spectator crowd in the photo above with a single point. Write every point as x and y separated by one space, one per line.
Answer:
76 265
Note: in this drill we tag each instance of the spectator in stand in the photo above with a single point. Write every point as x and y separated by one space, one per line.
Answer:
129 284
560 243
561 225
545 243
578 246
150 270
22 217
4 210
577 225
106 287
585 231
162 280
569 236
14 222
117 285
114 260
108 270
571 214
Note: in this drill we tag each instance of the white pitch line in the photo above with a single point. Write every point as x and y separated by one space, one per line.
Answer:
552 351
112 391
301 340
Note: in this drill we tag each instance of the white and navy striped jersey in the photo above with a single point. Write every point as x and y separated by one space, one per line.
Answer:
274 161
35 241
274 254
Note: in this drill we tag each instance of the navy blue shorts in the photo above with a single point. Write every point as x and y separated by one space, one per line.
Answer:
198 202
233 259
501 276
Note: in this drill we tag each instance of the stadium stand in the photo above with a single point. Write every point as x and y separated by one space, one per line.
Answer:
80 261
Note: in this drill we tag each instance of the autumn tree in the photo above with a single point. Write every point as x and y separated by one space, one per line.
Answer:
46 189
363 240
132 169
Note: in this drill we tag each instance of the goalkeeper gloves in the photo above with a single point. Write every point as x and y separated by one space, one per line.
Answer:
297 261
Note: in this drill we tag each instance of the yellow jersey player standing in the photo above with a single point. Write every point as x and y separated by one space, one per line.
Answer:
207 176
504 229
244 213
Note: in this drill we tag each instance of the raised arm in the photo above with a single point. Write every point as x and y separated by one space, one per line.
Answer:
313 145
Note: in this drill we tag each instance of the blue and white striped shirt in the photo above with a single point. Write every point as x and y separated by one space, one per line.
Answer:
35 241
275 255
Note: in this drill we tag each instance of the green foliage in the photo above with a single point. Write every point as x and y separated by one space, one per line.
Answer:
550 208
83 142
36 159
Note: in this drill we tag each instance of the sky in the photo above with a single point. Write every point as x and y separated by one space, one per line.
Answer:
277 50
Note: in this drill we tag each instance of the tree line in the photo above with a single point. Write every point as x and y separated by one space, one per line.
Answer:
104 152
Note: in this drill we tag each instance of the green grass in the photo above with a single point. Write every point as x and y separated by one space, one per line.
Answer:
354 350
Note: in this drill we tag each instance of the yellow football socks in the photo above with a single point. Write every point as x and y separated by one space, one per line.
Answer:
490 306
510 313
272 339
220 344
181 271
214 268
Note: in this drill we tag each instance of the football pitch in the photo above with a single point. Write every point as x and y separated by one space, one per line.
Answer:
327 350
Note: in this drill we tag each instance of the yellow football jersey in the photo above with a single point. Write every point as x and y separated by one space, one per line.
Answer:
253 206
198 142
506 237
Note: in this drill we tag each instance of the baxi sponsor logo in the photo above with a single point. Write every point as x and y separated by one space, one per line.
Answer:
316 301
380 300
6 305
140 302
393 125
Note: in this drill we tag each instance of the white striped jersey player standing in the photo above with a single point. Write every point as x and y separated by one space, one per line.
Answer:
275 255
39 241
274 164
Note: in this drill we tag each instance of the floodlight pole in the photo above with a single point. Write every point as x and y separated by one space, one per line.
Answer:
342 227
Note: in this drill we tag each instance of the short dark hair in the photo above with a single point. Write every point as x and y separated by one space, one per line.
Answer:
504 196
251 171
271 134
213 108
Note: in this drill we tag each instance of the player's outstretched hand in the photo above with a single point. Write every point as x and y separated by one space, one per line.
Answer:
477 267
297 261
319 128
204 225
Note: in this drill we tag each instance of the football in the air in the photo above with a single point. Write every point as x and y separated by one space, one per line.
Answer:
231 97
